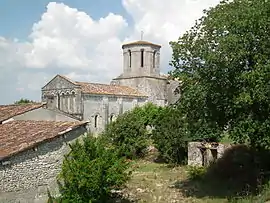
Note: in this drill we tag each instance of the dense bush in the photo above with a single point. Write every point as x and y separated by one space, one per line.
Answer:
90 171
129 133
170 135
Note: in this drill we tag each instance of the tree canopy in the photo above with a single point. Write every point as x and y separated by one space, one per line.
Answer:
23 101
223 63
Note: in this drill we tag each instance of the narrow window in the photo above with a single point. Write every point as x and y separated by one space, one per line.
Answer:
111 118
142 57
58 101
129 57
154 59
96 120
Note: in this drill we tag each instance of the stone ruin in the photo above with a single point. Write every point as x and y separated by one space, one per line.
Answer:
204 153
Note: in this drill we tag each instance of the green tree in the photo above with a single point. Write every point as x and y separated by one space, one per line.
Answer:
23 101
223 63
90 171
170 135
129 131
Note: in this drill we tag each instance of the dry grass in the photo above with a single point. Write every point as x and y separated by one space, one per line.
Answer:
234 178
154 182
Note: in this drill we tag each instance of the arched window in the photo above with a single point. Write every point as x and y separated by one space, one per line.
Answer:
96 121
111 118
72 102
129 58
154 58
142 57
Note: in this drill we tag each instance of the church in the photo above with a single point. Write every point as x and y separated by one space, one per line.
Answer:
99 104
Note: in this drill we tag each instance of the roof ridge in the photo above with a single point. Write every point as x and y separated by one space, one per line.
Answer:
24 104
141 42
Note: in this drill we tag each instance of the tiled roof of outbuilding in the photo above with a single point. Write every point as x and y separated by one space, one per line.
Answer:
9 111
17 136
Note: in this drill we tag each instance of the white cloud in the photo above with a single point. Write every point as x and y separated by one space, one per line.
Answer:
70 42
165 21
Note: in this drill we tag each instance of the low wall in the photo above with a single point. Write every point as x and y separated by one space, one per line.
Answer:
201 154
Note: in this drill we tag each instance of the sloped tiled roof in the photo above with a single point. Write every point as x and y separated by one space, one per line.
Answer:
9 111
95 88
140 42
17 136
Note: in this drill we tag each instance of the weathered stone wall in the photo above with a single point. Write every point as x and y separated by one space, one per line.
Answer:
99 110
195 155
154 87
173 91
64 95
28 174
151 60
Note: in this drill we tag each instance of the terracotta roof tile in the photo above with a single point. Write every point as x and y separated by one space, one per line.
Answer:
95 88
140 42
17 136
9 111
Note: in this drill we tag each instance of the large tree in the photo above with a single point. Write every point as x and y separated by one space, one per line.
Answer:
223 63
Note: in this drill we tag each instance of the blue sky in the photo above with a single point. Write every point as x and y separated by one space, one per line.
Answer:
18 16
82 39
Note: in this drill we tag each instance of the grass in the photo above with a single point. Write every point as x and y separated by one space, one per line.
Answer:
225 181
155 182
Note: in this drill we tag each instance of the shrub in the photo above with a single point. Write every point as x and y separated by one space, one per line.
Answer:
170 135
129 133
90 171
196 172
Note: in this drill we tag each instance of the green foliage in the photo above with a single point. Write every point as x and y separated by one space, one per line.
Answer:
129 134
148 113
23 101
196 172
223 63
170 135
90 171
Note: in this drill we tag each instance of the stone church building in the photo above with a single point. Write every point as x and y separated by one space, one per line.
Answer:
99 104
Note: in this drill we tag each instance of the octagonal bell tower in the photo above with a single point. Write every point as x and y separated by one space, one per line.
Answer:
141 58
141 70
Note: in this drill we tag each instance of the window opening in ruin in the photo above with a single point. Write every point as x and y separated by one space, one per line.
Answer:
208 156
129 58
96 121
214 154
142 57
203 152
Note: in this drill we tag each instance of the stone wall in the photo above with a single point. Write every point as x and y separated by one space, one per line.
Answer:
26 176
154 87
132 60
99 110
200 154
64 95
